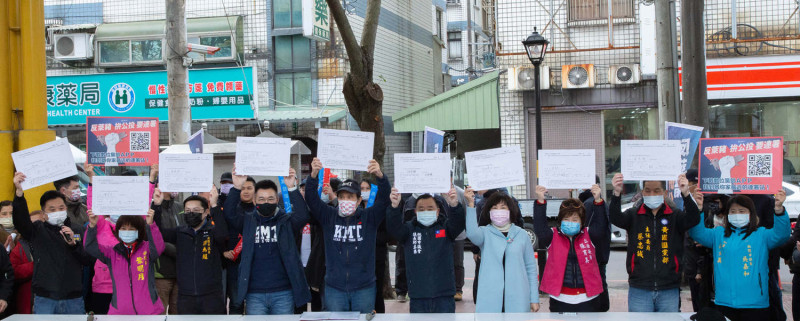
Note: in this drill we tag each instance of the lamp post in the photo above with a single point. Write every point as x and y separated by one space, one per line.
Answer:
536 46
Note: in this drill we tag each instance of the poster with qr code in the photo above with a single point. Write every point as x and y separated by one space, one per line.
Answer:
122 141
744 165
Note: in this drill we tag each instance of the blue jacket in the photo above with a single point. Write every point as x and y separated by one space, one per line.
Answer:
424 245
518 285
287 226
349 241
741 271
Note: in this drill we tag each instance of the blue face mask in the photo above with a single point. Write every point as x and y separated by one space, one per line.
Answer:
426 218
128 236
653 202
570 228
739 220
324 198
113 218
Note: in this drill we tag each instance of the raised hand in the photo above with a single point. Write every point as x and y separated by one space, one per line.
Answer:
158 196
698 198
92 218
89 169
452 197
617 182
238 180
540 191
597 193
291 179
683 184
153 172
780 197
469 194
213 196
18 179
395 197
374 168
316 166
150 214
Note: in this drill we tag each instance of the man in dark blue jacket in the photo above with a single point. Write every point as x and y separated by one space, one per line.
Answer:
350 236
271 276
428 238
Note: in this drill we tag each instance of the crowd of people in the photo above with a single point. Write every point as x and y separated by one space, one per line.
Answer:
266 248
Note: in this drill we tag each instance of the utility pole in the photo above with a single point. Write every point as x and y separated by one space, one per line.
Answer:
666 59
469 39
695 92
180 114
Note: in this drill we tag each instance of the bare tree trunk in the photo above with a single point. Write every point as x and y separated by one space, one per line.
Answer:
364 97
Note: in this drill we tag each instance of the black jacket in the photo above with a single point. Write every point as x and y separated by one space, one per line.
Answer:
59 266
6 276
428 251
597 217
170 219
654 265
199 254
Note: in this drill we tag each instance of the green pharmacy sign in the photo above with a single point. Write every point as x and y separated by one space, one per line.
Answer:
316 20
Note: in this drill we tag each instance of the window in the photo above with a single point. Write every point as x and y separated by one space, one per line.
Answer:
223 42
287 13
454 45
115 51
146 50
439 23
598 9
292 71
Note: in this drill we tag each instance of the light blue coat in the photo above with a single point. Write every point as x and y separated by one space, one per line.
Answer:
519 283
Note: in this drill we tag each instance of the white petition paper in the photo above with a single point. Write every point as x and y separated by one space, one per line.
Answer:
651 160
567 168
422 173
120 195
495 168
45 163
344 149
263 156
185 172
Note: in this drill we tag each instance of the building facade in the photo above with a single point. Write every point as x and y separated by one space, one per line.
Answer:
292 84
599 82
459 38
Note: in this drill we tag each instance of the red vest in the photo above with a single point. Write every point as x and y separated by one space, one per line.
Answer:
553 277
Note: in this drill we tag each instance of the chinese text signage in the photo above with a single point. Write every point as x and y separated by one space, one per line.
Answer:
746 165
121 141
224 93
316 21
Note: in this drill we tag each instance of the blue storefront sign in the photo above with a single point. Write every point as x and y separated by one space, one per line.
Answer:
221 93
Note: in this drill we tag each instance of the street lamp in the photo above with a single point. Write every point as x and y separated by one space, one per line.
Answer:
535 47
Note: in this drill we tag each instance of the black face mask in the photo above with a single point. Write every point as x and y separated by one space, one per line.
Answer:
193 219
266 209
712 208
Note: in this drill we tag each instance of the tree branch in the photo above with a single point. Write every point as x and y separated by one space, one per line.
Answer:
350 43
370 28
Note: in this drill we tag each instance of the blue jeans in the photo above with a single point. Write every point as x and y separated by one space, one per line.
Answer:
42 305
271 303
356 301
442 304
641 300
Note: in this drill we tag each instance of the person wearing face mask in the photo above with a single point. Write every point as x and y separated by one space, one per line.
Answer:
199 245
225 185
656 231
350 238
139 244
76 209
57 278
572 273
741 253
427 238
22 260
8 234
271 277
509 281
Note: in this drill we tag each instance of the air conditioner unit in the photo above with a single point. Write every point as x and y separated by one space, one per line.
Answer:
73 46
577 76
624 74
522 78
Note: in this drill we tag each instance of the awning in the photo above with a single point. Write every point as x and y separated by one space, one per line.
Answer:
155 28
303 114
474 105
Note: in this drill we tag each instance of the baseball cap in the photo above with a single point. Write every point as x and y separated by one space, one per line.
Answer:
226 177
350 186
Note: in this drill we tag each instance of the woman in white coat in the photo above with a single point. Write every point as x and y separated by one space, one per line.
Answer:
509 272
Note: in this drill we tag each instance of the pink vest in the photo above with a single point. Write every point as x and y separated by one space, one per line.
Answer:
553 277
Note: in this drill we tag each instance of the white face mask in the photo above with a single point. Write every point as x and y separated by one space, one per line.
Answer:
365 195
57 218
739 220
75 195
